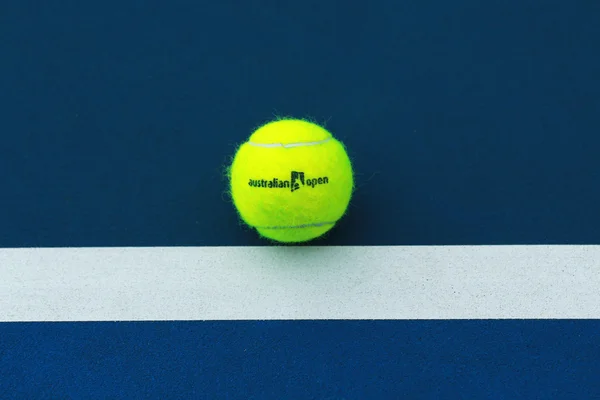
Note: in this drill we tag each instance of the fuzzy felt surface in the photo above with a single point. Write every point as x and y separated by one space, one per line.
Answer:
292 181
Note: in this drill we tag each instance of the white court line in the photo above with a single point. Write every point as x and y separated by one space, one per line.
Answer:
261 283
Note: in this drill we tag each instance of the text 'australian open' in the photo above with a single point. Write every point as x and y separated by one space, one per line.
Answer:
296 181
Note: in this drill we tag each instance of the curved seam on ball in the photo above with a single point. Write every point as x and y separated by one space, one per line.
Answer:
315 225
288 145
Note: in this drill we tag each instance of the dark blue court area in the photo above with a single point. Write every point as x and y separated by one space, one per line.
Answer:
467 122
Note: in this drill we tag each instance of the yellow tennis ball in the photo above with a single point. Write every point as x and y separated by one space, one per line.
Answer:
291 181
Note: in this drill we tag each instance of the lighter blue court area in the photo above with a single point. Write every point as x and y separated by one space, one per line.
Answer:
491 359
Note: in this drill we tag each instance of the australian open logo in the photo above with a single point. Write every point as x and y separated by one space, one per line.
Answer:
297 181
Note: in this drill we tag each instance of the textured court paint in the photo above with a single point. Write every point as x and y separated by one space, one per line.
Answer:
324 360
461 130
264 283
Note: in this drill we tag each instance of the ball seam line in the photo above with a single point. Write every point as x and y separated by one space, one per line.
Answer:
289 145
314 225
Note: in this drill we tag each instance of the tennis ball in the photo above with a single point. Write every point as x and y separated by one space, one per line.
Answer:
291 181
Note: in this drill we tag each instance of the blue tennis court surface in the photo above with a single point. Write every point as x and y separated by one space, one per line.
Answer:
307 359
467 265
